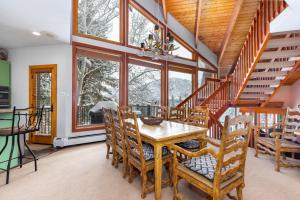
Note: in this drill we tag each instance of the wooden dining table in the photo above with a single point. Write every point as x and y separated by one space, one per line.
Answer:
165 134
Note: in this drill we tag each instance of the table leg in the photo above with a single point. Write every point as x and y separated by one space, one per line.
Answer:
158 170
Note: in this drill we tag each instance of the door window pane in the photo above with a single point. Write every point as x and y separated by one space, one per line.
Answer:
99 18
97 87
180 87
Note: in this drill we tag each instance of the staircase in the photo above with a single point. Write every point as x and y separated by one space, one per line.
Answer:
264 63
278 60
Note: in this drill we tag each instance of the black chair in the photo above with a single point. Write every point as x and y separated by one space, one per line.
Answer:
23 121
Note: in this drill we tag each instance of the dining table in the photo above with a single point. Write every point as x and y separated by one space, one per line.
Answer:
166 134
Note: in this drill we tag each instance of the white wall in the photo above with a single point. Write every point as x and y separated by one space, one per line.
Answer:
61 55
295 94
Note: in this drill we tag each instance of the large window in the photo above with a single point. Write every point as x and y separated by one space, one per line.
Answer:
180 87
97 86
99 18
144 87
139 27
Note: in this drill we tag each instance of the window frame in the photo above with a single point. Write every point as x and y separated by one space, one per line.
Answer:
144 60
183 69
91 50
121 25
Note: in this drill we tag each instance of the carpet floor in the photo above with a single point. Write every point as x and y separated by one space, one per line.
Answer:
83 173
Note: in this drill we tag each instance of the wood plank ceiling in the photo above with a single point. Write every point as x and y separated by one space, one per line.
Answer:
220 21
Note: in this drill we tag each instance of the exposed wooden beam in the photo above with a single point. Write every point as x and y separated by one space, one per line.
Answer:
165 13
197 24
254 96
230 27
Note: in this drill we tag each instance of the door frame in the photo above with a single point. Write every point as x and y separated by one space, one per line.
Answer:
53 69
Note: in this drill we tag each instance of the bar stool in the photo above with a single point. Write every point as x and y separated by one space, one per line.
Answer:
23 121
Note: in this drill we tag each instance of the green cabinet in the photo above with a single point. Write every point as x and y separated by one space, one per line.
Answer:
4 73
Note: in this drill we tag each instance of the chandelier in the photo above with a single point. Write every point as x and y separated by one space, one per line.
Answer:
156 48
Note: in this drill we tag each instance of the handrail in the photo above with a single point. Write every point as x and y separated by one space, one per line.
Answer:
255 44
202 92
219 99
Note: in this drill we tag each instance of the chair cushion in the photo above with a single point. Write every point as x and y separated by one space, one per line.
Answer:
191 144
149 151
204 165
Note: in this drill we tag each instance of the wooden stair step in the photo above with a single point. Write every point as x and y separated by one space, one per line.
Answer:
269 74
275 65
284 42
254 96
263 82
280 54
260 89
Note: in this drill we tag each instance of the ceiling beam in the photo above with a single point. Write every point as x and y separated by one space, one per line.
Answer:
164 6
230 27
197 22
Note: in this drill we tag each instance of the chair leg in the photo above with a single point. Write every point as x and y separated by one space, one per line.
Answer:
256 150
144 185
20 152
124 166
130 173
107 152
239 192
175 185
30 151
277 156
10 158
170 168
5 145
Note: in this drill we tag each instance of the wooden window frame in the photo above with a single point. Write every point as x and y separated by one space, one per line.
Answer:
146 14
121 26
75 48
161 67
176 67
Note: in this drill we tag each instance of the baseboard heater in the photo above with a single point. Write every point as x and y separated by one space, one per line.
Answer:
63 142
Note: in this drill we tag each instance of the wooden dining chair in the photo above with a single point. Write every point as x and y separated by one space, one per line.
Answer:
278 143
119 142
199 116
217 173
141 154
177 114
110 132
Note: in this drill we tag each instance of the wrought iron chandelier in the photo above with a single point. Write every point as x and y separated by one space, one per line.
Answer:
156 48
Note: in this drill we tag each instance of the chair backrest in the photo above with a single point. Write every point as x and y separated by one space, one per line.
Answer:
118 128
198 116
132 136
292 121
108 121
28 119
177 113
233 149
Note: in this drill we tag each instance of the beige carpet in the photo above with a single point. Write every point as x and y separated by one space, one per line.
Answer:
83 173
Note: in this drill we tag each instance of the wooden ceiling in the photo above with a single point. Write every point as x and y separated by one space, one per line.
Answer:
223 24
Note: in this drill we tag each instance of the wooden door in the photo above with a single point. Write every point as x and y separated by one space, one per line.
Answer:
42 92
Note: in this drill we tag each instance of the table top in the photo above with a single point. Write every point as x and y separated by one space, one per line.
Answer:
168 130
